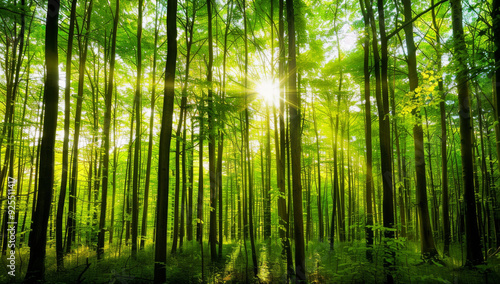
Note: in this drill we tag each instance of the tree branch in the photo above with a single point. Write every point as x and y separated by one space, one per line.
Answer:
397 30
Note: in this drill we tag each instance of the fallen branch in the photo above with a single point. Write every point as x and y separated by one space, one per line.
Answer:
80 279
490 255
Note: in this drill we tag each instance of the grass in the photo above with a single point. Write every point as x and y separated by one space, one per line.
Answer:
345 264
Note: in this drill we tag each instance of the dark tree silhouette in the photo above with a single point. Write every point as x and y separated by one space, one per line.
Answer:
38 236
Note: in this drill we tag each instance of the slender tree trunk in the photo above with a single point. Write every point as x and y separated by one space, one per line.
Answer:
295 141
106 126
434 207
428 248
128 180
183 193
267 189
211 142
474 255
385 143
368 126
396 134
189 27
178 138
221 132
62 193
64 176
199 223
495 16
282 205
342 230
320 212
189 223
165 139
38 236
247 150
150 144
137 148
115 165
36 165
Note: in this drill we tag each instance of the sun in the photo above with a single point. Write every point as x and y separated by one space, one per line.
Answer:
269 90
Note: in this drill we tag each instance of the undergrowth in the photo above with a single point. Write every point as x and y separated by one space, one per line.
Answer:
346 263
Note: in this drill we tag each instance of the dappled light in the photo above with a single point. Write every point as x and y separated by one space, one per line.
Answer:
250 141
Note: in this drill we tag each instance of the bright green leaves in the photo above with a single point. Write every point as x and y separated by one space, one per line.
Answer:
425 95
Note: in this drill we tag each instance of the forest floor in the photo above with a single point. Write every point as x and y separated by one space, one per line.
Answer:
345 264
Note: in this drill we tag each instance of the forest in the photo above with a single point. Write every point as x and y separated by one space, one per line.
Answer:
250 141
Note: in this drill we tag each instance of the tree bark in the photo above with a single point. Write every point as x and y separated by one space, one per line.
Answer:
295 145
165 139
221 131
115 165
150 143
137 147
183 189
282 205
64 176
106 127
199 216
211 142
250 202
428 249
320 212
385 143
474 255
368 126
495 15
38 236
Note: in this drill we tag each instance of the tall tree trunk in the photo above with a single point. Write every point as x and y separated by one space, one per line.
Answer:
183 190
385 143
178 138
106 127
295 145
38 236
115 165
150 143
250 202
64 176
188 29
128 180
221 132
137 148
342 230
396 134
199 216
474 255
189 222
495 15
211 141
282 205
320 212
267 189
368 127
165 139
428 249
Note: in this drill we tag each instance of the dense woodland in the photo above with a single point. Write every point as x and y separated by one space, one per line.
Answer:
265 141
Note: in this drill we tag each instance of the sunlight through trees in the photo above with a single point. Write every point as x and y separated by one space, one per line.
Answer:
250 141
